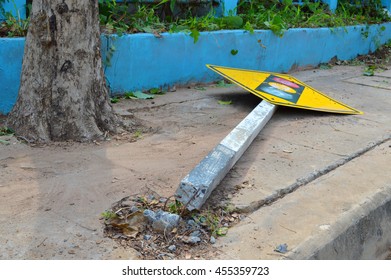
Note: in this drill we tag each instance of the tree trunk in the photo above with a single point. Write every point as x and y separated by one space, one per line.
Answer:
63 93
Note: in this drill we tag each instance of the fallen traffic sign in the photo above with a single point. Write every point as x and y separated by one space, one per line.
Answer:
282 89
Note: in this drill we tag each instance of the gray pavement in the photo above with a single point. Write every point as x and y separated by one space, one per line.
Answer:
318 182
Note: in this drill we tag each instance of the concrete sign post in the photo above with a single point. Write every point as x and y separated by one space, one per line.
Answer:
196 187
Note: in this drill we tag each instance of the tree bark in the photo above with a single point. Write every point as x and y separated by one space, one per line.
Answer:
63 93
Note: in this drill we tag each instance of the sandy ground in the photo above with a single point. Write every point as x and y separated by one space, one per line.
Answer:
52 197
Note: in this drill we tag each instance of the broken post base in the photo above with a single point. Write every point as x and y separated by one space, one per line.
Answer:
197 186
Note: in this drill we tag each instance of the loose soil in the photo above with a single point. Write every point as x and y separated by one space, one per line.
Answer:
52 196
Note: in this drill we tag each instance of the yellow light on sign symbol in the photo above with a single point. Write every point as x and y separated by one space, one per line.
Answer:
283 87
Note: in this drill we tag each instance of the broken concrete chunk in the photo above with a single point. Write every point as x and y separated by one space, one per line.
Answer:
191 239
161 220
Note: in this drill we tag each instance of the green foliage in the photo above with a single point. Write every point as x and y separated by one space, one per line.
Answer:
280 16
370 70
111 15
224 102
234 52
13 26
223 84
176 207
108 215
109 52
1 7
156 91
114 100
5 131
212 221
369 11
275 15
138 134
116 18
139 95
276 24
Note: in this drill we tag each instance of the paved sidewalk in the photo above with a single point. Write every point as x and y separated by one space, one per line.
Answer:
318 182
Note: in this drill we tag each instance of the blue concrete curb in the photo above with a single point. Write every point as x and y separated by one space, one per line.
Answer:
143 61
11 55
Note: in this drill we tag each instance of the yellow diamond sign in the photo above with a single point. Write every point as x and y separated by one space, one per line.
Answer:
281 89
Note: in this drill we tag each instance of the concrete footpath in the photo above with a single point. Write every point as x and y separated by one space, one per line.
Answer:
319 183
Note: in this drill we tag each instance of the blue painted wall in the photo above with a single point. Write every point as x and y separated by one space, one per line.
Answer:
11 54
175 59
386 4
142 61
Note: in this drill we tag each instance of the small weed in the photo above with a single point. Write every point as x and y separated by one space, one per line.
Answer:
114 100
141 95
248 27
325 66
212 221
108 215
222 231
109 53
4 142
355 62
370 70
223 84
229 208
5 131
132 95
138 134
156 91
276 24
176 207
222 102
199 88
129 95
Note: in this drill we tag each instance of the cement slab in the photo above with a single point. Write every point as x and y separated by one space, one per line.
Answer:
344 214
386 73
299 146
383 82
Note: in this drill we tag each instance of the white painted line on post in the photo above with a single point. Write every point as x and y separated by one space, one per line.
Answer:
196 187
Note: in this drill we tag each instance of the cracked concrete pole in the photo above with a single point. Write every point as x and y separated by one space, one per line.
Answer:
197 186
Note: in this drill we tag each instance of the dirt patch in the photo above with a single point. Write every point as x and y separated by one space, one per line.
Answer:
52 197
381 57
162 228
